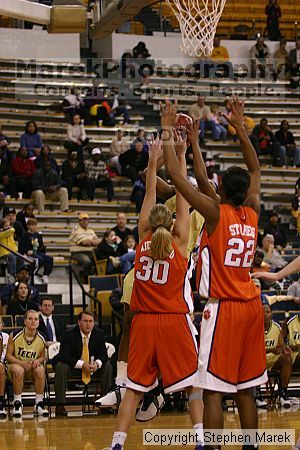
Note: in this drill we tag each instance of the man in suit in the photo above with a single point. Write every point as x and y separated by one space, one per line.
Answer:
83 353
295 64
52 328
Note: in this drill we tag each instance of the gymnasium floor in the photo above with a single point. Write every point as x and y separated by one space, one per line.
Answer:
94 432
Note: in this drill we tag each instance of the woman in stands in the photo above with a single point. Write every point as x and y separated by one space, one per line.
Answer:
233 317
21 301
161 333
31 139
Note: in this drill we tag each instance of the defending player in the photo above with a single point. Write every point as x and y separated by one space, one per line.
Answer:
161 331
233 320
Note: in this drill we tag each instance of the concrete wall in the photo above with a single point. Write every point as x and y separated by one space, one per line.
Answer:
39 45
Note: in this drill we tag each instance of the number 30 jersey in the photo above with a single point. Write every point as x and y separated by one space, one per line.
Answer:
160 286
225 257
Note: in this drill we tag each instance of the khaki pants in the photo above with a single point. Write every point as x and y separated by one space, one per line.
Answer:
60 195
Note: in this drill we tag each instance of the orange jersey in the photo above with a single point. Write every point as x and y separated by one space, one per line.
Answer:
225 257
160 286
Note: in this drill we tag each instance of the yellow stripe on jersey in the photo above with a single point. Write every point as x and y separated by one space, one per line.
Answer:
127 287
272 335
196 222
25 351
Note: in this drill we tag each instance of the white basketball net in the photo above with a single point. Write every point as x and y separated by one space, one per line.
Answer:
198 20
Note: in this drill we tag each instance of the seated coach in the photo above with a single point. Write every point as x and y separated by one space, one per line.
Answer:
82 353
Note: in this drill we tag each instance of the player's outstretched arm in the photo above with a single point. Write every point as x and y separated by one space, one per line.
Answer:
236 119
163 190
150 196
203 182
208 207
291 268
182 225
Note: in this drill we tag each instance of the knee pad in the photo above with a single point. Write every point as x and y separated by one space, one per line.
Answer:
197 395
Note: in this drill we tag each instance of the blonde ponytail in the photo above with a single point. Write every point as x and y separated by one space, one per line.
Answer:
160 222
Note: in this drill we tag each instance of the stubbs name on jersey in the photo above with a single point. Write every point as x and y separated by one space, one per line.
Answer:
238 229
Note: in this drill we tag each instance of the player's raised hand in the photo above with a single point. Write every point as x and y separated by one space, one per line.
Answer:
168 113
236 117
155 150
193 130
180 143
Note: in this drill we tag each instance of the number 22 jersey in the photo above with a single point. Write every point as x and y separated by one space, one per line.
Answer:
225 257
160 286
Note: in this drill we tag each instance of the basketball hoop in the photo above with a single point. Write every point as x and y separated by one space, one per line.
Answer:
198 20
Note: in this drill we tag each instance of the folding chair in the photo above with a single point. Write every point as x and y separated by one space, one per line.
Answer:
8 321
104 283
100 264
52 351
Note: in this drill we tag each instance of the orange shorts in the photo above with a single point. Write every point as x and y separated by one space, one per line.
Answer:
232 352
162 344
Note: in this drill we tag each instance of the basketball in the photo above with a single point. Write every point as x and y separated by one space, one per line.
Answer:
183 120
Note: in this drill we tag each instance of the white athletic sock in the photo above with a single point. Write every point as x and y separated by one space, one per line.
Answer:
121 373
17 398
198 427
39 398
118 438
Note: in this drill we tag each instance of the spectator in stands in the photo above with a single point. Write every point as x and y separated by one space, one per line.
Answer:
76 136
128 67
259 58
134 161
220 60
220 132
83 241
7 291
138 193
25 214
201 111
97 175
31 140
4 143
6 176
295 65
82 353
120 228
73 174
10 214
211 172
293 337
264 142
119 260
45 155
276 229
21 301
258 265
46 183
74 104
118 106
296 205
271 254
26 356
278 356
3 413
51 327
129 243
32 245
119 144
294 289
282 63
288 147
23 168
273 13
7 238
141 51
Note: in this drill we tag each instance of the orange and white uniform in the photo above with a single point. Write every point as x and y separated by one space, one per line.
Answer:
232 350
162 339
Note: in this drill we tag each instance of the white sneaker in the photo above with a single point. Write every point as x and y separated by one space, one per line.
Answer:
39 410
284 401
17 409
45 279
260 403
149 408
112 398
37 279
